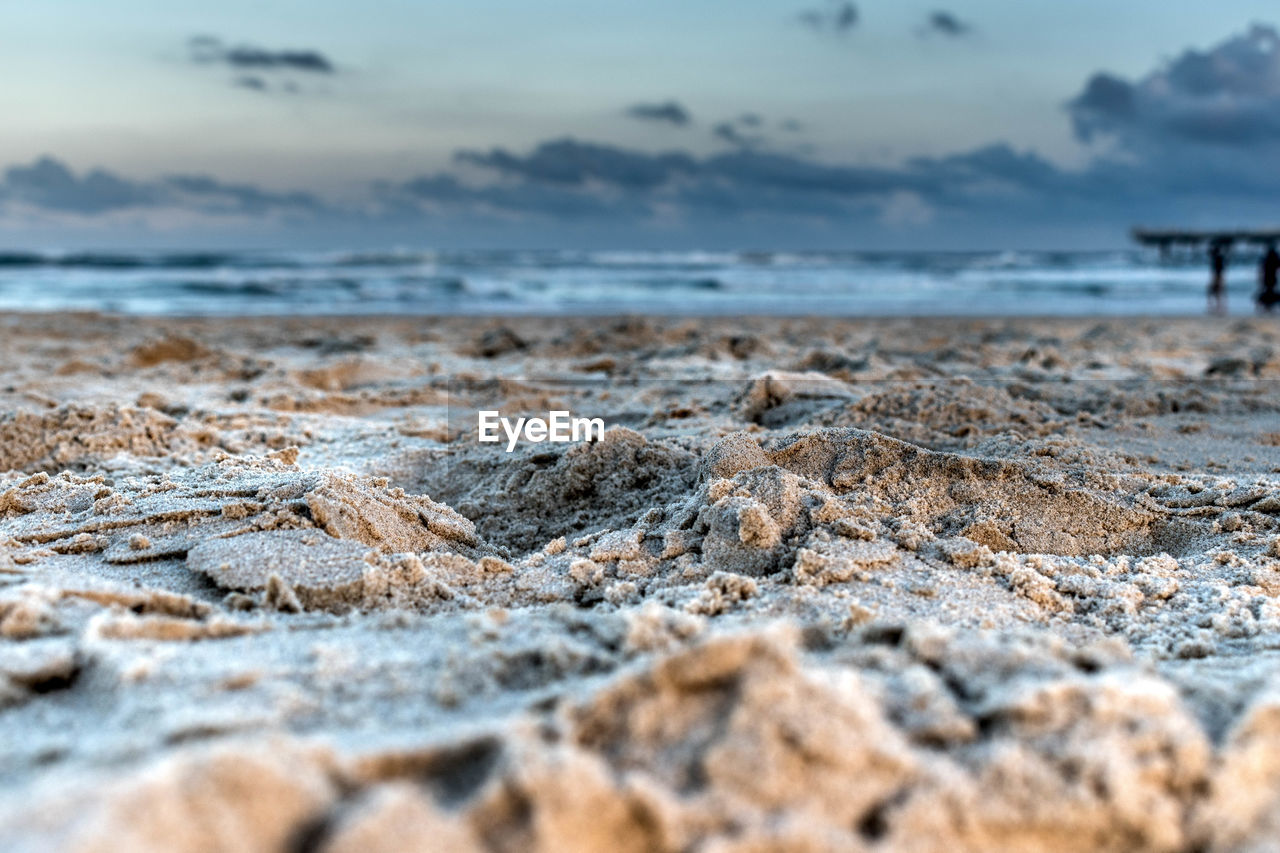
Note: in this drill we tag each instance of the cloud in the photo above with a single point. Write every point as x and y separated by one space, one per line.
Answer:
671 112
572 178
1192 141
258 69
210 195
1106 102
1227 96
567 188
946 23
572 163
577 183
210 49
309 61
838 16
741 132
995 190
446 197
47 185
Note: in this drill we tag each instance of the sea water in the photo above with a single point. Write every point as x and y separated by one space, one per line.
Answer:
425 282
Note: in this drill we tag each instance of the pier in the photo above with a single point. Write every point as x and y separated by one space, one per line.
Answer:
1218 246
1166 239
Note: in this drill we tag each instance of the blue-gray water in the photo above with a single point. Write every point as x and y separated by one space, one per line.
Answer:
579 282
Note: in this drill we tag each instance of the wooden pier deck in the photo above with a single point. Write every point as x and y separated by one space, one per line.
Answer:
1167 238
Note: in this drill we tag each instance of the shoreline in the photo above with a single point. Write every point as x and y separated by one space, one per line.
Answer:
654 315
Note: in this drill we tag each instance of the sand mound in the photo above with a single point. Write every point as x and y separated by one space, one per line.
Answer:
738 740
739 730
947 414
173 348
388 519
766 508
201 800
35 667
1006 505
498 341
309 570
319 570
1134 398
74 437
780 399
526 501
742 729
157 517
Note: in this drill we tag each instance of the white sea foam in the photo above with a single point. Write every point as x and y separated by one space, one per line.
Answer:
405 281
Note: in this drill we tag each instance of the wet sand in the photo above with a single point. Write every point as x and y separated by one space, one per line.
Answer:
822 585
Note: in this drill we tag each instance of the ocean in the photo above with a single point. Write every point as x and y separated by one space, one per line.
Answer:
852 284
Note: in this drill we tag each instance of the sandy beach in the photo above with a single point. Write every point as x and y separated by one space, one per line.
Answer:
928 585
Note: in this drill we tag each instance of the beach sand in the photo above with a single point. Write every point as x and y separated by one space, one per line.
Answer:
822 585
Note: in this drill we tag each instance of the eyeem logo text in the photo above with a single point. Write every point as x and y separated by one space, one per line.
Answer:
557 427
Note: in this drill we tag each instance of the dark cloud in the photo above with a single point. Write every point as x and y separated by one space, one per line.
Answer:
258 69
567 177
738 195
209 49
209 195
568 180
1226 96
998 167
837 16
446 196
741 132
946 23
568 183
49 185
573 163
1105 101
996 188
671 112
309 61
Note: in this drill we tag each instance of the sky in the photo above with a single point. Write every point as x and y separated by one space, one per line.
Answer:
977 124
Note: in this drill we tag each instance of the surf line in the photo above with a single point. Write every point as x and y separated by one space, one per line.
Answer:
559 427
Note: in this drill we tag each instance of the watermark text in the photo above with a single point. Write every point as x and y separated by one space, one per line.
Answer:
558 427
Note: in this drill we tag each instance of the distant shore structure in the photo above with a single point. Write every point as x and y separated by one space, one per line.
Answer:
1217 246
1167 239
